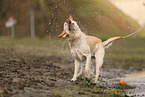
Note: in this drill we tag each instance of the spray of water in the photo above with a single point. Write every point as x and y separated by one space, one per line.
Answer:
64 44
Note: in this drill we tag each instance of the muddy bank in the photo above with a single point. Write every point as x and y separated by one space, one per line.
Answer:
22 73
25 75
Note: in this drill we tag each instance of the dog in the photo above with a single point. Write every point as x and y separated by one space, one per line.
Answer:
84 46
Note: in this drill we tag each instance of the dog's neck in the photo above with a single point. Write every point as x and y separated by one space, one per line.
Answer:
76 32
76 35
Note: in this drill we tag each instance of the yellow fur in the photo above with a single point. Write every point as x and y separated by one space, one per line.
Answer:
82 45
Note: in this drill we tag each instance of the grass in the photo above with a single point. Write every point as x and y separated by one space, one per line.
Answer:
91 91
42 47
108 19
125 53
97 17
57 93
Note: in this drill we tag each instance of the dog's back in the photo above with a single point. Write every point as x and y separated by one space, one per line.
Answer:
92 41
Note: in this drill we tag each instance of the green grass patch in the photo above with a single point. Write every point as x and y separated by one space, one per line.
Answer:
42 47
127 53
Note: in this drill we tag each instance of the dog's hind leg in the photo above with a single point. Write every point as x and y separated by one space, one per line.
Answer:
99 55
77 63
81 70
87 72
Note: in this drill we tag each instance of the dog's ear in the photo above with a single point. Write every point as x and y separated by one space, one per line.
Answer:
70 17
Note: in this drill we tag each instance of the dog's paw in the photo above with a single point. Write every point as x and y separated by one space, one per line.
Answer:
96 82
73 80
88 77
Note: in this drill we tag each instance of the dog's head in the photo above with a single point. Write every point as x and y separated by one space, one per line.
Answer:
70 26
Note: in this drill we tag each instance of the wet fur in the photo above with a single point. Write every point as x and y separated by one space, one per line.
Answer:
82 45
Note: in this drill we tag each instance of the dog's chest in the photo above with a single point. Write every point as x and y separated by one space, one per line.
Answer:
80 48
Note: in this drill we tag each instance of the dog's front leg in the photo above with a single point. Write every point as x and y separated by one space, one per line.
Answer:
76 70
87 72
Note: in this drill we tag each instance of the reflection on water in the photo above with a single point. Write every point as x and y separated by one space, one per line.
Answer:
137 75
136 79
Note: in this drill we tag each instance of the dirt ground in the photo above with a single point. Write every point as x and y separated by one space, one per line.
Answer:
25 75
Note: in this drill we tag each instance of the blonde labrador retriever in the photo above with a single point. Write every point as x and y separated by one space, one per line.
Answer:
82 45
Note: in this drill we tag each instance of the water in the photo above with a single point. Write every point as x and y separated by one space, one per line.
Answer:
136 79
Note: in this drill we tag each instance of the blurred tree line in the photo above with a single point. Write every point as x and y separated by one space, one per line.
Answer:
51 14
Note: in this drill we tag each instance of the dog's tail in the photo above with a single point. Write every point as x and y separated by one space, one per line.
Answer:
110 40
114 38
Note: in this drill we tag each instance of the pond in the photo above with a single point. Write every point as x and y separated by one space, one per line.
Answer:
136 79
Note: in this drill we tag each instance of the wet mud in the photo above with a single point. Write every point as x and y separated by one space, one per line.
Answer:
25 75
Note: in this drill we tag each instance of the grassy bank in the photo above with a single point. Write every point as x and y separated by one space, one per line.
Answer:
42 47
96 17
126 53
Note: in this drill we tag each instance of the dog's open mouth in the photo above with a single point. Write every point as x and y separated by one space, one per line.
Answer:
69 24
68 28
64 34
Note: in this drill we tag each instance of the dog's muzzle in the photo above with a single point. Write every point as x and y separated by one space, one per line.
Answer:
69 23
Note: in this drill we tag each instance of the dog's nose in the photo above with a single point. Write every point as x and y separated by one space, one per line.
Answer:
68 21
